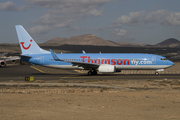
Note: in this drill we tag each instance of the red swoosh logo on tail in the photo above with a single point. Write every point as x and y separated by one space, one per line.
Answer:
26 48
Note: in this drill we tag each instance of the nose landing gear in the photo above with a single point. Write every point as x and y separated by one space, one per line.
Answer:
157 71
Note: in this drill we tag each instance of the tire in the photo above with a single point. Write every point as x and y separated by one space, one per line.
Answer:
94 72
156 73
89 73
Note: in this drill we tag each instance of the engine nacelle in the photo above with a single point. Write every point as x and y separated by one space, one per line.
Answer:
2 63
104 68
13 61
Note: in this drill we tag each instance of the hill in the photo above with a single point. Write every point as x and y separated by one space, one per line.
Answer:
88 39
171 42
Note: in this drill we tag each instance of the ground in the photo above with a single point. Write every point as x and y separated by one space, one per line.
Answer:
134 100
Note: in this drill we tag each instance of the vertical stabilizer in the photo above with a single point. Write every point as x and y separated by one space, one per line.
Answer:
27 44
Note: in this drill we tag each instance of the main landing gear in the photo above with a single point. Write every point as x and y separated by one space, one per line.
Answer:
92 72
156 73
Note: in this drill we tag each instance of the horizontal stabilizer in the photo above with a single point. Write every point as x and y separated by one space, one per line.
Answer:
25 56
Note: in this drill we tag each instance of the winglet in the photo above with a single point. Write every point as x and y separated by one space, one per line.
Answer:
54 56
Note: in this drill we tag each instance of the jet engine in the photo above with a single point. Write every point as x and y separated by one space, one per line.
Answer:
13 61
2 63
104 68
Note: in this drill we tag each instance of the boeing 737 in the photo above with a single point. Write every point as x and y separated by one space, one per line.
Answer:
93 62
4 59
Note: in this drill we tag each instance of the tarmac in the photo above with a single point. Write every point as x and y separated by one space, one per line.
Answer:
17 73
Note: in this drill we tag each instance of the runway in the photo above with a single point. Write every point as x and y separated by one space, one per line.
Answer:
19 72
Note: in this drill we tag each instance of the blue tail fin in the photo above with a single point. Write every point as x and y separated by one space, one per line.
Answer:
27 44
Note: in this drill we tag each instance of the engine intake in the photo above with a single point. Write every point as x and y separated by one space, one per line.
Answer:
2 63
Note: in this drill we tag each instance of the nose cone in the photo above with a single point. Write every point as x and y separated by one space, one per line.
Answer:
170 63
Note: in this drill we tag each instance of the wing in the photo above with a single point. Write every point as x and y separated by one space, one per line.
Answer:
10 58
17 56
85 65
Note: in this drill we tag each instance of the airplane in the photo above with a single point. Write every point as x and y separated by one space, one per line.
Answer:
93 62
4 59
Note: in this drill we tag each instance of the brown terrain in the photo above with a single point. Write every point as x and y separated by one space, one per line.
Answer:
88 39
93 40
171 42
94 44
134 100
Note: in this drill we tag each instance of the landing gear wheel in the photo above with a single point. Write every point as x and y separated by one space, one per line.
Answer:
89 73
156 73
94 72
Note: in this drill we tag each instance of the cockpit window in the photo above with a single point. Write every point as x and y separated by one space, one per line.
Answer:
163 58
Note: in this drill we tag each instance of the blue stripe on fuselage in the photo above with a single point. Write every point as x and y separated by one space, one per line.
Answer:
104 58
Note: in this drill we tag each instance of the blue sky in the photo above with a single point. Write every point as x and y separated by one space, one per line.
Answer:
135 21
